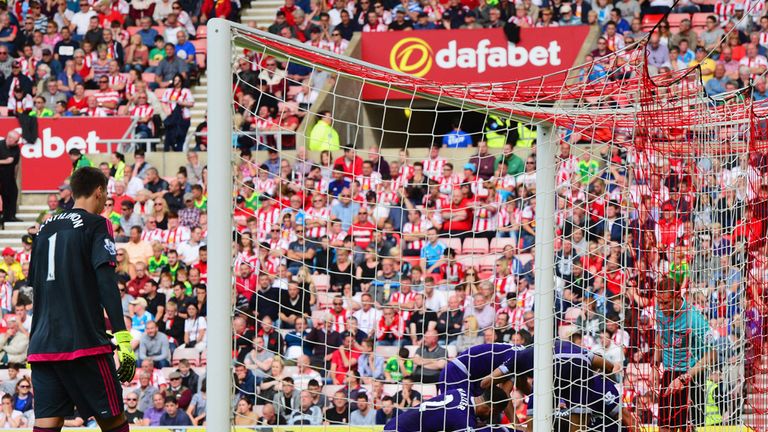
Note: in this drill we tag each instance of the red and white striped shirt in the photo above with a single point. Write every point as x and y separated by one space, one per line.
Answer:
433 167
264 186
725 10
447 184
96 112
266 218
28 66
172 237
321 215
119 79
6 296
420 227
172 95
362 233
399 298
369 183
152 235
524 21
141 111
339 320
107 96
504 284
485 220
23 257
378 28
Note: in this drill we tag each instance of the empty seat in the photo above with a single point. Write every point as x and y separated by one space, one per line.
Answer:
148 77
498 244
488 263
202 31
453 243
386 352
475 246
200 60
132 30
330 389
191 354
200 45
411 350
322 282
652 19
325 299
699 19
674 20
469 261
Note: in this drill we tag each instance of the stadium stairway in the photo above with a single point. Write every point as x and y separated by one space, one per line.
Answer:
200 110
11 235
261 12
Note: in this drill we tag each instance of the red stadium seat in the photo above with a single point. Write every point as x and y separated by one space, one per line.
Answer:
148 77
475 246
488 263
453 243
200 45
325 299
200 60
650 21
699 19
132 30
191 354
498 244
322 282
674 20
468 261
202 31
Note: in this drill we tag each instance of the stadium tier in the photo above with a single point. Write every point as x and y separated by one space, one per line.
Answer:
549 201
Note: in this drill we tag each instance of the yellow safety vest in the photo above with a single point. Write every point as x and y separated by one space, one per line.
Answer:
496 138
526 135
712 411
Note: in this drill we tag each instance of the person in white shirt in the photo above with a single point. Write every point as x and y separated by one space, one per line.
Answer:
190 249
9 417
368 316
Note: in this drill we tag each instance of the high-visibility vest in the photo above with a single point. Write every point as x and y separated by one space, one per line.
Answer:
253 202
526 135
712 410
496 130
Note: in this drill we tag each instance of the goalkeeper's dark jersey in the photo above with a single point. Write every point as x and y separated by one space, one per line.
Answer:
68 314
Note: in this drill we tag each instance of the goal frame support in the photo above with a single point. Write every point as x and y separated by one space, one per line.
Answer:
220 226
544 297
219 410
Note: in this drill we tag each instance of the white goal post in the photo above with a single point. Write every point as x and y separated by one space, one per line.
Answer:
220 386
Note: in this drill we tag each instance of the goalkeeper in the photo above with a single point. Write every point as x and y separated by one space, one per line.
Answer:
72 272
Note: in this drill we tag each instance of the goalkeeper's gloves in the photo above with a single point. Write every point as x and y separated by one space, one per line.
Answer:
126 355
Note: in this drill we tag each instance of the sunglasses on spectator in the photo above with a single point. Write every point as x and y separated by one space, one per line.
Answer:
336 34
131 400
23 386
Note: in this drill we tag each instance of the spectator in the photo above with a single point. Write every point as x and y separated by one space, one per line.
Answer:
338 412
154 345
177 101
323 136
429 359
387 412
132 413
287 400
11 418
23 399
244 414
364 415
9 385
196 409
181 394
194 329
305 413
153 416
173 416
13 344
146 392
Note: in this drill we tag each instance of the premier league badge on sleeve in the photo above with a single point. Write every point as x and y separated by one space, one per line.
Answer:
109 245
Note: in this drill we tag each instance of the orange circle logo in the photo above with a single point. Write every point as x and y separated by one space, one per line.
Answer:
412 56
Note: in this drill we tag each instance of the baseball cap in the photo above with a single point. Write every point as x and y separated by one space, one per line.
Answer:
471 167
8 251
738 6
174 375
26 239
140 301
188 196
565 8
65 186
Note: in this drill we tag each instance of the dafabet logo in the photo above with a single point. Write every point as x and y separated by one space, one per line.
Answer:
412 56
416 57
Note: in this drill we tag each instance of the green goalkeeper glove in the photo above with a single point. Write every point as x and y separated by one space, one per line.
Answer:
127 357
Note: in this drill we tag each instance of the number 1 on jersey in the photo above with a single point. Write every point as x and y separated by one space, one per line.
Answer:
52 257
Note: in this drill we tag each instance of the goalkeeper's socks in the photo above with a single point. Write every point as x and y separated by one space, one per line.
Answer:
122 428
42 429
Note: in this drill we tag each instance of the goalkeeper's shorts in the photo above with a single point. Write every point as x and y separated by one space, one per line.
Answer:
88 383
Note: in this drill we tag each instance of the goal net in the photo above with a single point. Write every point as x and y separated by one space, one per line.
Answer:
608 220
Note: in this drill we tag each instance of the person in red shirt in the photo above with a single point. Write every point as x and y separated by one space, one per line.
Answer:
668 228
353 164
344 359
362 229
457 218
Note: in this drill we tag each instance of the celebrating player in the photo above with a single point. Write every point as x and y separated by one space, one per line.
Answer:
453 411
72 272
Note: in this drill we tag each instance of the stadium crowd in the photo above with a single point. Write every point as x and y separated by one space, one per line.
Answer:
359 276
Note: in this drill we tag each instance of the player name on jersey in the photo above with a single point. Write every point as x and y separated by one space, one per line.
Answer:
75 218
